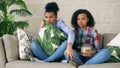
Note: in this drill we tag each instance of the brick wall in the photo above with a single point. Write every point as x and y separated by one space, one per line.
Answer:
105 12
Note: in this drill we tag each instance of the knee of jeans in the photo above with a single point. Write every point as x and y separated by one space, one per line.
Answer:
64 44
106 51
33 45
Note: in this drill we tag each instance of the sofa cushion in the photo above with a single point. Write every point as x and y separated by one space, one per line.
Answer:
11 47
2 54
24 42
28 64
50 37
104 65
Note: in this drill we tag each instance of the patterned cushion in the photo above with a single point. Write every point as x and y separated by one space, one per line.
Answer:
50 37
24 42
114 47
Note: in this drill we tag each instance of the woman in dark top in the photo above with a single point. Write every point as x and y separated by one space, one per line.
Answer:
87 47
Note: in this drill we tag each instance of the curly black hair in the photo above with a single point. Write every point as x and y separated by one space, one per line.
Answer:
52 7
90 23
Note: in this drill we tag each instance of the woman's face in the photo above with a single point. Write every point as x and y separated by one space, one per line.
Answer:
82 20
50 17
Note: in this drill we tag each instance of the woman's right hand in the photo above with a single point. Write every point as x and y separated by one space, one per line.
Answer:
42 24
69 51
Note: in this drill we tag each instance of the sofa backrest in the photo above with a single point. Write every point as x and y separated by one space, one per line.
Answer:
100 35
107 37
2 54
11 47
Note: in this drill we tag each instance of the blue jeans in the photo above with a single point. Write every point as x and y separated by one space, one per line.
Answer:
98 58
40 54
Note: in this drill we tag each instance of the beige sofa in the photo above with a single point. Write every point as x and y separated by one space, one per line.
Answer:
9 56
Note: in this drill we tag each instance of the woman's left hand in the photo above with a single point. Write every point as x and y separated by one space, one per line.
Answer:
69 51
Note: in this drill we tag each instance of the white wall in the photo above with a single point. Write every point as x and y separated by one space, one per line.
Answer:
105 12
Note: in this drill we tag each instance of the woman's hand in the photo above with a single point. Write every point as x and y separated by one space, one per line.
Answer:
69 51
42 24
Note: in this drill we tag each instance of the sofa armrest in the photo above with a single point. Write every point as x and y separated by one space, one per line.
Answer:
2 54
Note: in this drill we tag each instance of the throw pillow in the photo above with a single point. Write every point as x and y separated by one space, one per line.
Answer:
11 47
114 47
24 42
50 38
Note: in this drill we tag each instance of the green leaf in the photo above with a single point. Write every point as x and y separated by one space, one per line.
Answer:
21 12
21 24
21 4
21 36
1 7
10 18
1 19
6 27
10 2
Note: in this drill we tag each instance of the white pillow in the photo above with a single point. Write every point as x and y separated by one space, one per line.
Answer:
24 42
115 41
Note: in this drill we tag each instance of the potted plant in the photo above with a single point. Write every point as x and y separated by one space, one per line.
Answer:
7 21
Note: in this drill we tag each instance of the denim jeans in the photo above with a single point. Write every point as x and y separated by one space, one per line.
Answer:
37 50
98 58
